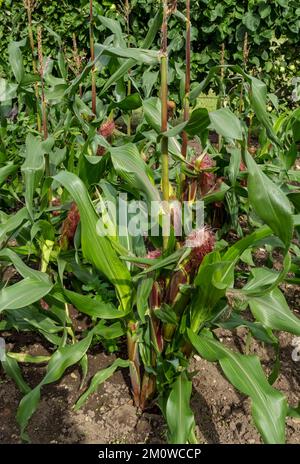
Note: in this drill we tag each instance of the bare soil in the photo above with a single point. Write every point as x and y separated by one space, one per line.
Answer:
222 414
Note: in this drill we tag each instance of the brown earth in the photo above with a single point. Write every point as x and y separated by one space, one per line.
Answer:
222 414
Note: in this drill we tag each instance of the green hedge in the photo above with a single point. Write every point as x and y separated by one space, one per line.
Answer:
273 28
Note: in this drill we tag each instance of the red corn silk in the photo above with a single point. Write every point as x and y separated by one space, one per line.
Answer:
242 166
153 254
69 226
106 130
202 242
207 179
44 304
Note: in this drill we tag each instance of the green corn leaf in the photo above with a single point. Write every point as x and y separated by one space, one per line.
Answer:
269 202
149 80
269 406
265 280
198 122
272 311
225 123
8 91
213 279
96 248
72 89
12 370
179 415
235 251
142 297
217 195
12 223
258 97
152 113
62 359
27 358
132 102
23 293
261 278
34 318
111 332
7 171
294 412
130 166
99 378
32 168
22 268
153 29
168 262
84 364
93 307
234 164
176 130
198 89
16 59
128 64
140 55
115 28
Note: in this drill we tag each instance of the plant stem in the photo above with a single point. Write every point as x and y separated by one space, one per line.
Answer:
245 60
92 47
127 19
41 73
164 111
186 112
222 62
43 100
28 7
133 356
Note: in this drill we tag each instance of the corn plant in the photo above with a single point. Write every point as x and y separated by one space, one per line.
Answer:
168 293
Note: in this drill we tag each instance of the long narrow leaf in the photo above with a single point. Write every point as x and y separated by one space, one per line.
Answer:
59 362
269 406
179 415
97 248
99 378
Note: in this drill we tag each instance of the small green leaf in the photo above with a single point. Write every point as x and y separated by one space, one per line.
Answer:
99 378
16 59
62 359
179 415
272 310
225 123
93 307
